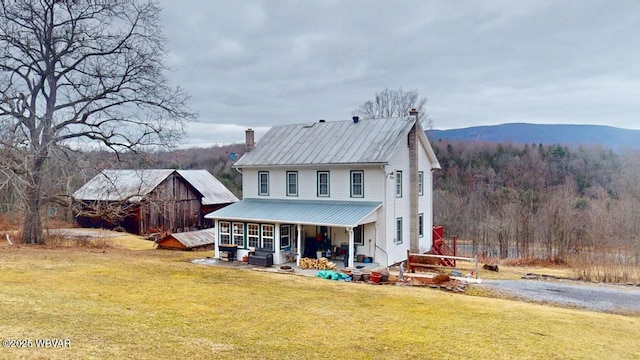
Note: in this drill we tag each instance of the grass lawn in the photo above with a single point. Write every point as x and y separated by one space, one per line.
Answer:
153 304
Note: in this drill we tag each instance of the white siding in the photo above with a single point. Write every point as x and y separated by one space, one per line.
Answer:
395 208
339 183
250 184
369 238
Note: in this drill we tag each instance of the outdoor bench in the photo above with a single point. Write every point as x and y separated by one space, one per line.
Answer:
261 256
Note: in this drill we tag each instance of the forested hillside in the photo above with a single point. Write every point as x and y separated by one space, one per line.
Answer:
535 200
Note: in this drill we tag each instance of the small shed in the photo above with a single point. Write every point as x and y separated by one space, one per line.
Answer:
199 239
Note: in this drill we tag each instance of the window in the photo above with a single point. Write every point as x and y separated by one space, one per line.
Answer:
421 224
399 230
420 183
225 233
267 236
358 235
263 183
253 235
292 183
238 234
285 236
323 183
398 183
357 183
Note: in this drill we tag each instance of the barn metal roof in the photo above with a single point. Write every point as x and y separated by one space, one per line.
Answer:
119 185
372 141
326 213
196 238
133 185
213 191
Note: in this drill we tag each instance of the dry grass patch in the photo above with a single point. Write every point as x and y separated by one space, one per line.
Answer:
96 238
155 304
514 269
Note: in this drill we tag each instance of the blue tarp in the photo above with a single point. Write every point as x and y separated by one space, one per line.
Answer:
333 275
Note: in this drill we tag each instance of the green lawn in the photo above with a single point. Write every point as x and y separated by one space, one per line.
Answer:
152 304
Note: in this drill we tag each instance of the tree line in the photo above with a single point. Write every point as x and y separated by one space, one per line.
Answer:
499 199
552 202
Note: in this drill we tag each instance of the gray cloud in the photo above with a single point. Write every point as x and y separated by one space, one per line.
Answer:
260 63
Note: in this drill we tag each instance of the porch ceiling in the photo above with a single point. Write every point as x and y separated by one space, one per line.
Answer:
306 212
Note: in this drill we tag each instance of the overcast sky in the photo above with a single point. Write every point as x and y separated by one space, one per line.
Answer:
260 63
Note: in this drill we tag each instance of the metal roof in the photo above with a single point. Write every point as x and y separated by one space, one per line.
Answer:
213 191
326 213
119 185
372 141
196 238
133 185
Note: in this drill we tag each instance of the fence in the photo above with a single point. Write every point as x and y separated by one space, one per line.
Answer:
412 263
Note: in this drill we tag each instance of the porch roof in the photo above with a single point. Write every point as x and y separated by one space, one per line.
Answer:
305 212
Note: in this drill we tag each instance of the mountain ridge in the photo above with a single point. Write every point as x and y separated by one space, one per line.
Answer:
546 134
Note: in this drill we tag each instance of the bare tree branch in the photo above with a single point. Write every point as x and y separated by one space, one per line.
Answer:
89 71
394 103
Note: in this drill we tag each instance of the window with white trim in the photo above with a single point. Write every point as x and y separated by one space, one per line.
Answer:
267 236
225 232
357 183
420 183
399 184
323 183
238 234
292 183
421 224
399 230
285 236
263 183
253 235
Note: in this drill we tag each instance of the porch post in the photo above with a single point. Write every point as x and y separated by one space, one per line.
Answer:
276 245
299 247
216 250
351 247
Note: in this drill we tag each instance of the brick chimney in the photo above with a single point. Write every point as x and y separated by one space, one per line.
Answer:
249 139
414 112
412 139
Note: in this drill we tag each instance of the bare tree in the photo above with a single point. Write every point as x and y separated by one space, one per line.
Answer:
394 103
79 74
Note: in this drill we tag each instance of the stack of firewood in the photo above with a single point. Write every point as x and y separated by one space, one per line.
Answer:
320 264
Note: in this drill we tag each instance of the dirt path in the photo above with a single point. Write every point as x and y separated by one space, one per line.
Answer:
89 233
598 297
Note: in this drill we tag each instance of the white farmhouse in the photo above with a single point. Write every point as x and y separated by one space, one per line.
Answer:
361 187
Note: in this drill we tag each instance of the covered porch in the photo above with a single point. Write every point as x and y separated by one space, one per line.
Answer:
293 229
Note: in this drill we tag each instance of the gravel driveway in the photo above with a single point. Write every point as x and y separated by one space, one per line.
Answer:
597 297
